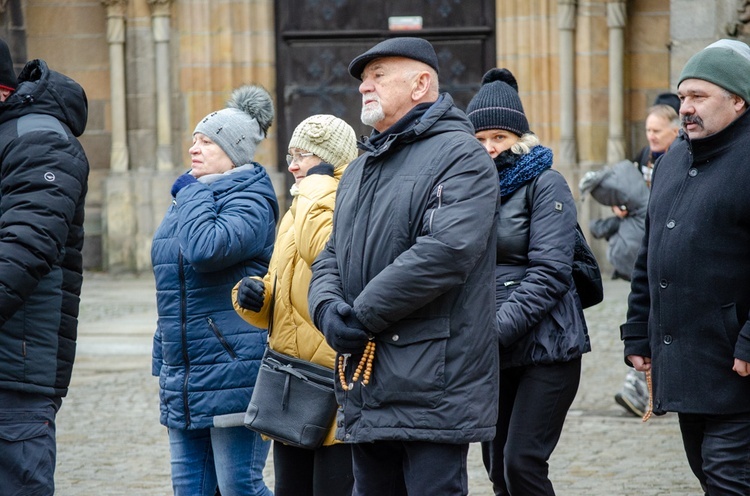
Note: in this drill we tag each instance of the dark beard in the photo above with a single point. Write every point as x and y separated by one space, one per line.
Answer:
505 160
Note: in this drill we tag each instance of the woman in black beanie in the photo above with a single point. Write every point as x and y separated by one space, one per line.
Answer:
541 328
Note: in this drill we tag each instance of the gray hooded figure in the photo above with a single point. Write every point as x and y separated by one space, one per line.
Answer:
620 185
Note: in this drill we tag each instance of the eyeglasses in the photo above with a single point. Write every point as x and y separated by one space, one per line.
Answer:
297 157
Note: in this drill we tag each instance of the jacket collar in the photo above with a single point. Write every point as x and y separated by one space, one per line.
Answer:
413 124
704 149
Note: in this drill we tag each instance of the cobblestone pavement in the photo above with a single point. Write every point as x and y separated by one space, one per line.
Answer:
110 441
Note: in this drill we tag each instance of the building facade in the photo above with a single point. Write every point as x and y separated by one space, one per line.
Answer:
587 71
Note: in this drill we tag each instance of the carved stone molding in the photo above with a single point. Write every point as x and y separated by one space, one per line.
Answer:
740 26
160 7
566 14
616 14
3 6
115 8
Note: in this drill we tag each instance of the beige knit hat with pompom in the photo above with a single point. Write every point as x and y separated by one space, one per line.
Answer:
328 137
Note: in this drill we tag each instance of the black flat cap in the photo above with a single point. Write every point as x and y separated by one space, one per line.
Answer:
411 48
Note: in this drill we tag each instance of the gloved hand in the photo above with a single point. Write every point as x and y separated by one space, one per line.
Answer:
342 329
322 168
182 181
250 294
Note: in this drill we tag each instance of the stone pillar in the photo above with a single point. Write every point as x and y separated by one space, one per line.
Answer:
566 22
118 213
616 17
116 38
160 17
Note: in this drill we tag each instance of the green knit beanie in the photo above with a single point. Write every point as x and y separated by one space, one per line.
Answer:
721 66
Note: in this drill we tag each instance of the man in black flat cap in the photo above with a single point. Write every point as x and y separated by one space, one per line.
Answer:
43 178
404 289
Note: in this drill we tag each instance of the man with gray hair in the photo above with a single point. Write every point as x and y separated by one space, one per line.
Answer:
688 321
404 290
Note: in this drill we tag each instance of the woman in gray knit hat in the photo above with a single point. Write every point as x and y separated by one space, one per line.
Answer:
541 329
219 229
320 149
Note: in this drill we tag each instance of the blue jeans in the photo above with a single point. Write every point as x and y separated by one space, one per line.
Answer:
27 443
230 458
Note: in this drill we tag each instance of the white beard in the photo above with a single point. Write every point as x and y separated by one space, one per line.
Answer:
372 114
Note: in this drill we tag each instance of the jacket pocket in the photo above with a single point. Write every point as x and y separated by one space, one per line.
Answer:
731 323
409 366
29 451
221 338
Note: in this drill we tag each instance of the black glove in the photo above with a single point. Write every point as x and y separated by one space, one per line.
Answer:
182 181
342 329
250 294
322 168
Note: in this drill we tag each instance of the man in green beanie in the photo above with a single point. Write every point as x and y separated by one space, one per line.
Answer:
688 321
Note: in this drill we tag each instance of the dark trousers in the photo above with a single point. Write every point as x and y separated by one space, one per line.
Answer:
416 468
534 401
326 471
27 443
718 451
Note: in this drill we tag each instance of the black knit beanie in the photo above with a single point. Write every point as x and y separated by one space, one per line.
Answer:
497 104
8 80
669 99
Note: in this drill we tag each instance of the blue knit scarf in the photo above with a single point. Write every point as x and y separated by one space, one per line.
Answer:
526 167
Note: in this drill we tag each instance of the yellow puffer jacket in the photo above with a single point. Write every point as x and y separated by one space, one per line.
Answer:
302 234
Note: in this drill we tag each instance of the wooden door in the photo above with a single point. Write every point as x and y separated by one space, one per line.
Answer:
316 40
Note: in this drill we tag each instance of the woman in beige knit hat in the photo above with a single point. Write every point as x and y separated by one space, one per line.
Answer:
320 149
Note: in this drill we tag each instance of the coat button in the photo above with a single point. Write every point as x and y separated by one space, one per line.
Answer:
347 436
663 284
394 337
693 172
667 339
670 224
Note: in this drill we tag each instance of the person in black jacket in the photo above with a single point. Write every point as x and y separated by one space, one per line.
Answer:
626 191
688 319
43 183
541 328
402 285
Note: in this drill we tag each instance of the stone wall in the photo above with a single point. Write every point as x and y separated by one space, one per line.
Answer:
217 45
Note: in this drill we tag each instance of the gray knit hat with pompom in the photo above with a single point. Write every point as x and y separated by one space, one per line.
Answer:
239 128
497 104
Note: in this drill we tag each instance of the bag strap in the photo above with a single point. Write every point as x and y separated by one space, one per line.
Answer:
271 305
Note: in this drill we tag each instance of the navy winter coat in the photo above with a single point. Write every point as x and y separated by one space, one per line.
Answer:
43 184
689 306
411 251
538 313
205 355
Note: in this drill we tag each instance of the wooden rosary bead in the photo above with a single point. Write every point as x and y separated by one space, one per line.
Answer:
363 369
650 409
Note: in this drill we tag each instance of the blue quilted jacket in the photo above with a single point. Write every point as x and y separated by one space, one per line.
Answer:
217 231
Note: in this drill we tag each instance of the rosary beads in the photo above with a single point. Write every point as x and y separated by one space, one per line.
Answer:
650 409
364 367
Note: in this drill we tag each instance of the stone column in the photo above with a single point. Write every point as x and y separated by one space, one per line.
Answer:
116 10
616 17
160 17
566 23
118 211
